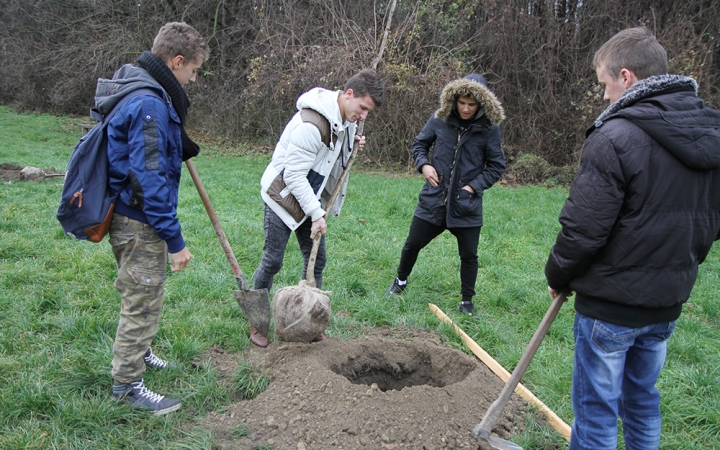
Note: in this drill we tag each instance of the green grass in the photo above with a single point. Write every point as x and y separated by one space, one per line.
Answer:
58 308
249 382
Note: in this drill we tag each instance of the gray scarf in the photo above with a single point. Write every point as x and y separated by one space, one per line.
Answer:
643 89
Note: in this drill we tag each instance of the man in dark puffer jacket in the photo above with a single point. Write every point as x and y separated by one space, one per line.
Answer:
642 214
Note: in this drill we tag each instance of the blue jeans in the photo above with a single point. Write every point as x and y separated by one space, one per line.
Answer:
277 235
614 375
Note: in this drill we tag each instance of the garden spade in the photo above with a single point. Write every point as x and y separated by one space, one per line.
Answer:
483 429
310 273
254 303
302 312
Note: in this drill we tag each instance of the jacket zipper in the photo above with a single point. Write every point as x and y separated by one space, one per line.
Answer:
452 167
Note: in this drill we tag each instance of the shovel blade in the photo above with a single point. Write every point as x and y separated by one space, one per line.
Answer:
494 441
255 304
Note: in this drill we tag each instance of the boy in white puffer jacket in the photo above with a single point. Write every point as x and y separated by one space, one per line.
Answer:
311 154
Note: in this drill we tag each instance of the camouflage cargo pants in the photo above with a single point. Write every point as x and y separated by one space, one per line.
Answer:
142 263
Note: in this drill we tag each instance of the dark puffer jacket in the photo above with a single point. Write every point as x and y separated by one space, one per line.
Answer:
644 208
471 156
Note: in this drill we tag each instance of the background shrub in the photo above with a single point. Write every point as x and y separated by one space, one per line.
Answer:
536 55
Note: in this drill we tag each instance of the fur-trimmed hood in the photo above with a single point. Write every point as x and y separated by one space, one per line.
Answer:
474 86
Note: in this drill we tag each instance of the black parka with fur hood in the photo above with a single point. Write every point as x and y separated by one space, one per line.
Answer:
461 156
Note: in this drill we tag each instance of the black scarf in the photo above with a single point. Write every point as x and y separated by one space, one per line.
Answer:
162 73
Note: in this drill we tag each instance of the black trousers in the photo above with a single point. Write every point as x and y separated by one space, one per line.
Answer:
422 232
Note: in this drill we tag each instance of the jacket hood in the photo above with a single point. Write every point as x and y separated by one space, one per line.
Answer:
127 79
473 85
325 102
667 108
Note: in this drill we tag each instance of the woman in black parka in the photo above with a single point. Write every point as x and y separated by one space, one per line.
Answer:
467 158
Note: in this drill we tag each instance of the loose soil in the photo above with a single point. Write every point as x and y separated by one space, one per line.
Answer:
386 390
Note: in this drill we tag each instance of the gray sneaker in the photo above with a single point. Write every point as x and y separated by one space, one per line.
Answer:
395 288
139 397
151 360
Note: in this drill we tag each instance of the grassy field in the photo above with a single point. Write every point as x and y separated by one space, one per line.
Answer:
58 308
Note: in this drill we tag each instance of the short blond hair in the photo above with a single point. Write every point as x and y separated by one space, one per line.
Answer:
179 38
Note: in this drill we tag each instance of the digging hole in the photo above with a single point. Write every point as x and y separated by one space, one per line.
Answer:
397 368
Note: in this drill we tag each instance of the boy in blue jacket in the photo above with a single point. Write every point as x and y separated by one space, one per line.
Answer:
146 147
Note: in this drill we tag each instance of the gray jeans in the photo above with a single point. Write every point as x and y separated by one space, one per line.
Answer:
277 235
141 258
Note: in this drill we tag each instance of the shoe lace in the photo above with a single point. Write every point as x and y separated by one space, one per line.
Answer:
154 361
146 393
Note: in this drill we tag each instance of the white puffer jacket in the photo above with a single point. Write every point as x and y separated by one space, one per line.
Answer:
300 151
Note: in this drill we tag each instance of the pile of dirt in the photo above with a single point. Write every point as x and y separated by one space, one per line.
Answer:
380 391
12 172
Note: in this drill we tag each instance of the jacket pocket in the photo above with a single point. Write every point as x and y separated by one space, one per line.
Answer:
465 204
279 192
431 197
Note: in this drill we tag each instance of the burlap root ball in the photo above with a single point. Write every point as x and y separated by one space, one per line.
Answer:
301 313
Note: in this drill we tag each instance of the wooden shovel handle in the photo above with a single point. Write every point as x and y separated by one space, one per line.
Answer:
310 273
493 414
239 276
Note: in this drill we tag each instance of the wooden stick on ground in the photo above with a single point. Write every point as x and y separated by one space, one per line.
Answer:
556 422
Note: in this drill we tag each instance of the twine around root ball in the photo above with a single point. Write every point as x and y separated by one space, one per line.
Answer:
301 312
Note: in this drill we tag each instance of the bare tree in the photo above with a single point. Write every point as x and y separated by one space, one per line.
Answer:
535 54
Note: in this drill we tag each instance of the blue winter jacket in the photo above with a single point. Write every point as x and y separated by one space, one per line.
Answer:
144 148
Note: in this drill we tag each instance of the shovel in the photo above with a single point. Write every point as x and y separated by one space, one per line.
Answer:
310 273
483 429
302 312
254 303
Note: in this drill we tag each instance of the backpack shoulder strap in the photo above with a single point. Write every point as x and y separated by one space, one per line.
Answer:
309 115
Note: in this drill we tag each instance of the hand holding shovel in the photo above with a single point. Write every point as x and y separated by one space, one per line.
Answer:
310 273
302 312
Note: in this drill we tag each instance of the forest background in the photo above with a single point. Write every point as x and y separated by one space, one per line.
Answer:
536 56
